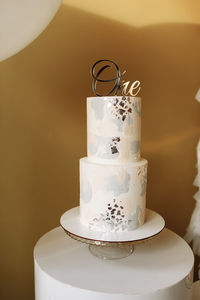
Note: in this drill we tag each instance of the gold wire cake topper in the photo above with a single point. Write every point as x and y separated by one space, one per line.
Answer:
119 83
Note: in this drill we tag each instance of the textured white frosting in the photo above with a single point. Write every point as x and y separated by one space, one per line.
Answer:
113 197
113 178
113 129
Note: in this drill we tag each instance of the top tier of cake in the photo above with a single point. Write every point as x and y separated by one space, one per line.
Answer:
113 129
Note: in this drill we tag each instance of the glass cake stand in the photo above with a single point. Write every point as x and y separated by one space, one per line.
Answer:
112 245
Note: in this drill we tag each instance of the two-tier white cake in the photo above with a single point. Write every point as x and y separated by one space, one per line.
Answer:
113 177
113 180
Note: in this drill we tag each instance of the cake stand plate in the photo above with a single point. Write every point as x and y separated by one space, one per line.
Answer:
70 222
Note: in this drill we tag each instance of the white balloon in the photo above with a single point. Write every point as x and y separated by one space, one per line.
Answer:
21 21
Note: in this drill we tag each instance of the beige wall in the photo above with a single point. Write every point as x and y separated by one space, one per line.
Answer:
43 119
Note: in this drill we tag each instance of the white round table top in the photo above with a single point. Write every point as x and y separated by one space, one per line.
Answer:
156 264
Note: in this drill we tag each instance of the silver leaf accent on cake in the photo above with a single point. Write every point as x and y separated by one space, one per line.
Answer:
108 146
114 219
122 107
113 145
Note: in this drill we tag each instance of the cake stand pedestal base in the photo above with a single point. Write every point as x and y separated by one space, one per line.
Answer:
111 252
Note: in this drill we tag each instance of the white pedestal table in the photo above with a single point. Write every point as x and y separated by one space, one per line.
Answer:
159 269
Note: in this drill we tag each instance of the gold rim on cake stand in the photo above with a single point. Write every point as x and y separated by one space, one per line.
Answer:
112 246
107 243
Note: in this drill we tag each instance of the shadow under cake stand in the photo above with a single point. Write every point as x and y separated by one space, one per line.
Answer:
111 245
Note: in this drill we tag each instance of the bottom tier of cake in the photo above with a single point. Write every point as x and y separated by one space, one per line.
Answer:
113 197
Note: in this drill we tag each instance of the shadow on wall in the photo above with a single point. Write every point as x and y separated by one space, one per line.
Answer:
44 125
